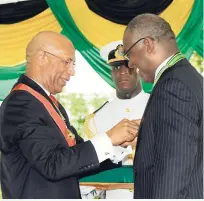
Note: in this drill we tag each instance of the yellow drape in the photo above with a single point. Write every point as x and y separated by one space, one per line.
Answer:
15 37
100 31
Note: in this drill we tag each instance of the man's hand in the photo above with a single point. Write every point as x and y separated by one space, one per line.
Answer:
124 131
133 143
137 121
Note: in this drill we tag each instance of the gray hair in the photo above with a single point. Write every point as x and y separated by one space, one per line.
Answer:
150 25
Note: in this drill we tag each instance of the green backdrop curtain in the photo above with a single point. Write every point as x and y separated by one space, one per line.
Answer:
199 46
190 36
189 39
186 38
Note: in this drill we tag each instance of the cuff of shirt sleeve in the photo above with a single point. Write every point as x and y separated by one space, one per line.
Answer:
103 147
120 153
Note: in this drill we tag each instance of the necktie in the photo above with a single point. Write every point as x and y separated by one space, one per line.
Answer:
54 100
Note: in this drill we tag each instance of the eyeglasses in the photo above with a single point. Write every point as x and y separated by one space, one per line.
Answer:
126 52
64 61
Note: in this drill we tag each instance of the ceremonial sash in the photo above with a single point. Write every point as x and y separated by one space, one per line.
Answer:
176 58
55 116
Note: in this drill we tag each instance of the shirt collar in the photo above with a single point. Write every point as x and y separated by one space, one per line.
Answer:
45 90
130 99
161 66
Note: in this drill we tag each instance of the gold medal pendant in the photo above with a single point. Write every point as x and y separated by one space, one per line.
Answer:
70 138
131 156
133 152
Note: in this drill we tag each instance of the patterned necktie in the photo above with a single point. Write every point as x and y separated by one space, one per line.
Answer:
54 100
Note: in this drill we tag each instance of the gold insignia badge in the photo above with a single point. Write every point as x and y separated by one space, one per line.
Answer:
119 52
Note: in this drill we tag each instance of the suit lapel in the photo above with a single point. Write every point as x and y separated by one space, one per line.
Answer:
29 82
147 106
62 110
165 73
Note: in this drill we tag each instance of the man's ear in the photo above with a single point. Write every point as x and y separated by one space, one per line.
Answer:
149 45
41 58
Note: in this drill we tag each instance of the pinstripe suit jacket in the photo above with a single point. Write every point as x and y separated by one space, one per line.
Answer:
169 154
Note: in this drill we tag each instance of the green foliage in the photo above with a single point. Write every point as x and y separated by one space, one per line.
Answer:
79 105
198 62
96 101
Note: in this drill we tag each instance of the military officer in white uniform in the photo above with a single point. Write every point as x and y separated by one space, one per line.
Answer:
129 103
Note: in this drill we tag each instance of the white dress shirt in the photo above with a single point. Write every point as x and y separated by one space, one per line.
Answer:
106 118
112 113
103 152
161 66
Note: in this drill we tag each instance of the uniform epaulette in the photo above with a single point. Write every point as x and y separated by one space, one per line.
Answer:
100 107
88 132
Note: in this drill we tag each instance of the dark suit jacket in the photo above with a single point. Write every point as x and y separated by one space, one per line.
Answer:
169 153
36 161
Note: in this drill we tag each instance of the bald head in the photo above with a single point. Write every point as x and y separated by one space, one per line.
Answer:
50 60
49 41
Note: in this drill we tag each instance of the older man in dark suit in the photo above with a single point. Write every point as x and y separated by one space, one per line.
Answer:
169 154
41 154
